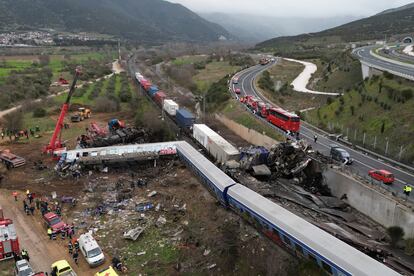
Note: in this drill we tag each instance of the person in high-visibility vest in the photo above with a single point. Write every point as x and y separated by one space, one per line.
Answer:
407 190
49 233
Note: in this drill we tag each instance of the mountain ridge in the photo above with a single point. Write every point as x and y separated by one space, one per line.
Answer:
144 20
371 28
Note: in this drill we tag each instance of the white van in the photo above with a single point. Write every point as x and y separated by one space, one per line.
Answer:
91 250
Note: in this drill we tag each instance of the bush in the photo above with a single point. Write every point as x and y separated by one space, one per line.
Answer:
266 82
409 247
407 94
125 96
329 101
106 104
395 233
39 112
388 75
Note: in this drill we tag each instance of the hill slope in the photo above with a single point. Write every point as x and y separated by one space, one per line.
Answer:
256 28
371 28
144 20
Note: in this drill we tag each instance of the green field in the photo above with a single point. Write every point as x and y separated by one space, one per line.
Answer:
10 63
188 60
381 108
213 72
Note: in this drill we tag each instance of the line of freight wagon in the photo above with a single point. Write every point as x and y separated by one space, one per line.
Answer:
181 116
220 149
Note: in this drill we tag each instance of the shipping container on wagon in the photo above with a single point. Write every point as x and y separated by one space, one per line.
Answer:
184 118
216 145
170 107
146 84
152 90
159 98
138 76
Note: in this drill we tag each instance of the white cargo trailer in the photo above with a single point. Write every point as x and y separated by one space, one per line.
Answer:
170 107
216 145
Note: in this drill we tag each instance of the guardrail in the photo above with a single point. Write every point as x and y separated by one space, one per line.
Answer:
362 149
399 74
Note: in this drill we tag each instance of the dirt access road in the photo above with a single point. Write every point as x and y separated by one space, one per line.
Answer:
32 236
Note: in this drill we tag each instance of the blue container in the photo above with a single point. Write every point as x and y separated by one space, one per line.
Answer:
185 119
152 90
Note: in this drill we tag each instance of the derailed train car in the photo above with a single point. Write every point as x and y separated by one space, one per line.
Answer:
285 228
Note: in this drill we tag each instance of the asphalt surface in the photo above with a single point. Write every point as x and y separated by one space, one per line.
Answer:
364 54
394 54
362 162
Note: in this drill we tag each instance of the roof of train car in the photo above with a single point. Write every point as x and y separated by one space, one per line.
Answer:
326 245
220 141
220 179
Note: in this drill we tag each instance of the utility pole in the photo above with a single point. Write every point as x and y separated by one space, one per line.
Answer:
375 141
119 50
400 154
386 146
204 106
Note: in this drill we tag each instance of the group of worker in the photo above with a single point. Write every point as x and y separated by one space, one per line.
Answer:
17 134
28 202
73 248
23 255
68 231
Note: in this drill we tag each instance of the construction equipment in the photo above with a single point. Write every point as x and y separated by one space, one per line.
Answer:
56 142
62 81
9 243
115 124
82 114
11 160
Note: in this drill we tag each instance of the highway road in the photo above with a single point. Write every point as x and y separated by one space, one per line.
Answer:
394 54
362 162
364 54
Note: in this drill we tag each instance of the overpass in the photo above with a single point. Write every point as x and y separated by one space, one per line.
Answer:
374 64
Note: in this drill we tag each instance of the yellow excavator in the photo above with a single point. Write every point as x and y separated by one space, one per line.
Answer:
82 114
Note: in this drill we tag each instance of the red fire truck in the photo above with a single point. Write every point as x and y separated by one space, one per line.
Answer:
9 243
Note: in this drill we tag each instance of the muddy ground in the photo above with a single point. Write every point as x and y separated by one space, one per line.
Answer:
198 235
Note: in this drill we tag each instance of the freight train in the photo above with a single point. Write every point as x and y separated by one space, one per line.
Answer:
184 118
288 230
219 149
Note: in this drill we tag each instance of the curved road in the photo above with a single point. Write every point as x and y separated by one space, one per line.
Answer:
362 162
364 54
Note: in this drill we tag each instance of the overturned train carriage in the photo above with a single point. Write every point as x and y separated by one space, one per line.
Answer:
285 228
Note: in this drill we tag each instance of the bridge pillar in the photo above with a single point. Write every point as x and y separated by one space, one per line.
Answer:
365 71
368 72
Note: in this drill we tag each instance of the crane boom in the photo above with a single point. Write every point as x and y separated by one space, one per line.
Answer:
55 141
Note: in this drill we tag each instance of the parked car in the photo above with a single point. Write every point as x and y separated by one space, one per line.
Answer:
340 155
23 268
53 221
237 91
63 268
90 250
382 175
